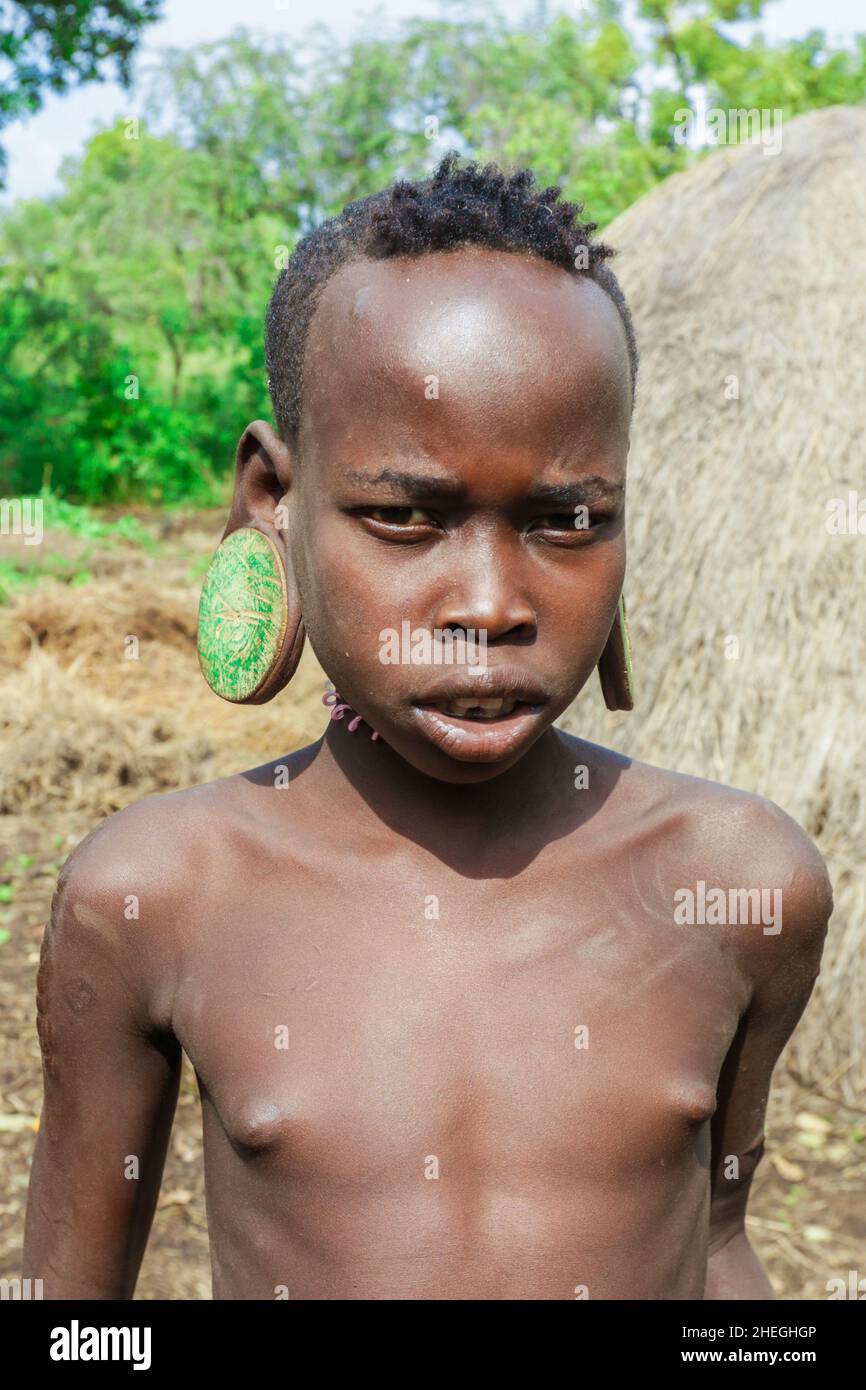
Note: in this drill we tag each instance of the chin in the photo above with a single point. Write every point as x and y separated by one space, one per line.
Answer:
467 752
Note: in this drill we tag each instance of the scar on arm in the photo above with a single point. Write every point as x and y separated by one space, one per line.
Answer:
44 1029
77 993
96 921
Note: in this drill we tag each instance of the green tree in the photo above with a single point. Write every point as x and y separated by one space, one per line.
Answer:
127 337
53 44
131 304
696 52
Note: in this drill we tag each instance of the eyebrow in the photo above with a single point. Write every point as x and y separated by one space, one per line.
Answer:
582 492
579 493
412 484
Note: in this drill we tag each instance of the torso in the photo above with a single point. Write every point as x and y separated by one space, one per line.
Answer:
419 1085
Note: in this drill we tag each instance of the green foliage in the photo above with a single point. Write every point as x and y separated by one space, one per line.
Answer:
15 575
81 522
24 565
111 294
131 305
53 45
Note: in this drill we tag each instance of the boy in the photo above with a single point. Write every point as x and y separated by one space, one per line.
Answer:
453 1037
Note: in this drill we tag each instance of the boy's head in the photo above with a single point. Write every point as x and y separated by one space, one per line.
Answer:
452 367
455 207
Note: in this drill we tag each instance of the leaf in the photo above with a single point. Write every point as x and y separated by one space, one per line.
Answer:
816 1124
17 1124
811 1141
179 1198
791 1172
817 1235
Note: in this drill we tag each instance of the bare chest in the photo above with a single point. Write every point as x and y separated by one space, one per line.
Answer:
358 1040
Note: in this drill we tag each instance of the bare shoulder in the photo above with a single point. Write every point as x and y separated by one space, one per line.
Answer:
152 846
128 892
743 844
725 838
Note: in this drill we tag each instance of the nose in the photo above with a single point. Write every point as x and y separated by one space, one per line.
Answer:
487 596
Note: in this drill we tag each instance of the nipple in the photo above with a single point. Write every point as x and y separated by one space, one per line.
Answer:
339 708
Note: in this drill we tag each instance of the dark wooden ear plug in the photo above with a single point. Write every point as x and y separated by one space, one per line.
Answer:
614 664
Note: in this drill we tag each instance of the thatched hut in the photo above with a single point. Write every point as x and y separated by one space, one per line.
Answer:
746 572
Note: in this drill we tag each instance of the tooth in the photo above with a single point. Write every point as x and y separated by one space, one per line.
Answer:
478 707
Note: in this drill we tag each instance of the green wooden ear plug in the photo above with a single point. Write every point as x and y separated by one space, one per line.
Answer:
242 615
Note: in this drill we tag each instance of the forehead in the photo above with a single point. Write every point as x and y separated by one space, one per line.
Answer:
472 345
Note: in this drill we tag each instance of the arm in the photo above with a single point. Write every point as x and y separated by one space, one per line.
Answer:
783 970
111 1071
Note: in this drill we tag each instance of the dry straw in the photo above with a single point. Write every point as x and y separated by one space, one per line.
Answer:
747 279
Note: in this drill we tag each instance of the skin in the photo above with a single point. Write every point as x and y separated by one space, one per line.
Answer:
431 917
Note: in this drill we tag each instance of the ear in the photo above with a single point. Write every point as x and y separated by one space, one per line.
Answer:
263 477
264 468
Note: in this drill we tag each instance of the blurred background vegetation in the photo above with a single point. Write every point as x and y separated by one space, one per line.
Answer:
132 302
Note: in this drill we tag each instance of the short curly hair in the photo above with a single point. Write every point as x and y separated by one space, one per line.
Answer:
481 206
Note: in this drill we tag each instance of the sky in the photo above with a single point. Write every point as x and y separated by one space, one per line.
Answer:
35 147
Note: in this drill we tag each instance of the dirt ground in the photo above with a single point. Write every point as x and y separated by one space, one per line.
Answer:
86 727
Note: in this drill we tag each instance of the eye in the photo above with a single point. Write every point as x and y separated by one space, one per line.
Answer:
400 516
569 521
406 525
569 528
561 521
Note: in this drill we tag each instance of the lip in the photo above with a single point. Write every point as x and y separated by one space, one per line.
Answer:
474 741
487 741
485 682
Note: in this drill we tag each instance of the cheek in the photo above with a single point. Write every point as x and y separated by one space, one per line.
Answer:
576 615
347 598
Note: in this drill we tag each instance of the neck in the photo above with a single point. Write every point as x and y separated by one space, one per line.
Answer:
371 787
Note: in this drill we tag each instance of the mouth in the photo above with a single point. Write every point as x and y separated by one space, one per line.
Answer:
479 708
480 727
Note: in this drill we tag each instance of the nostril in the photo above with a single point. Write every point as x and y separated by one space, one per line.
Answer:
515 622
